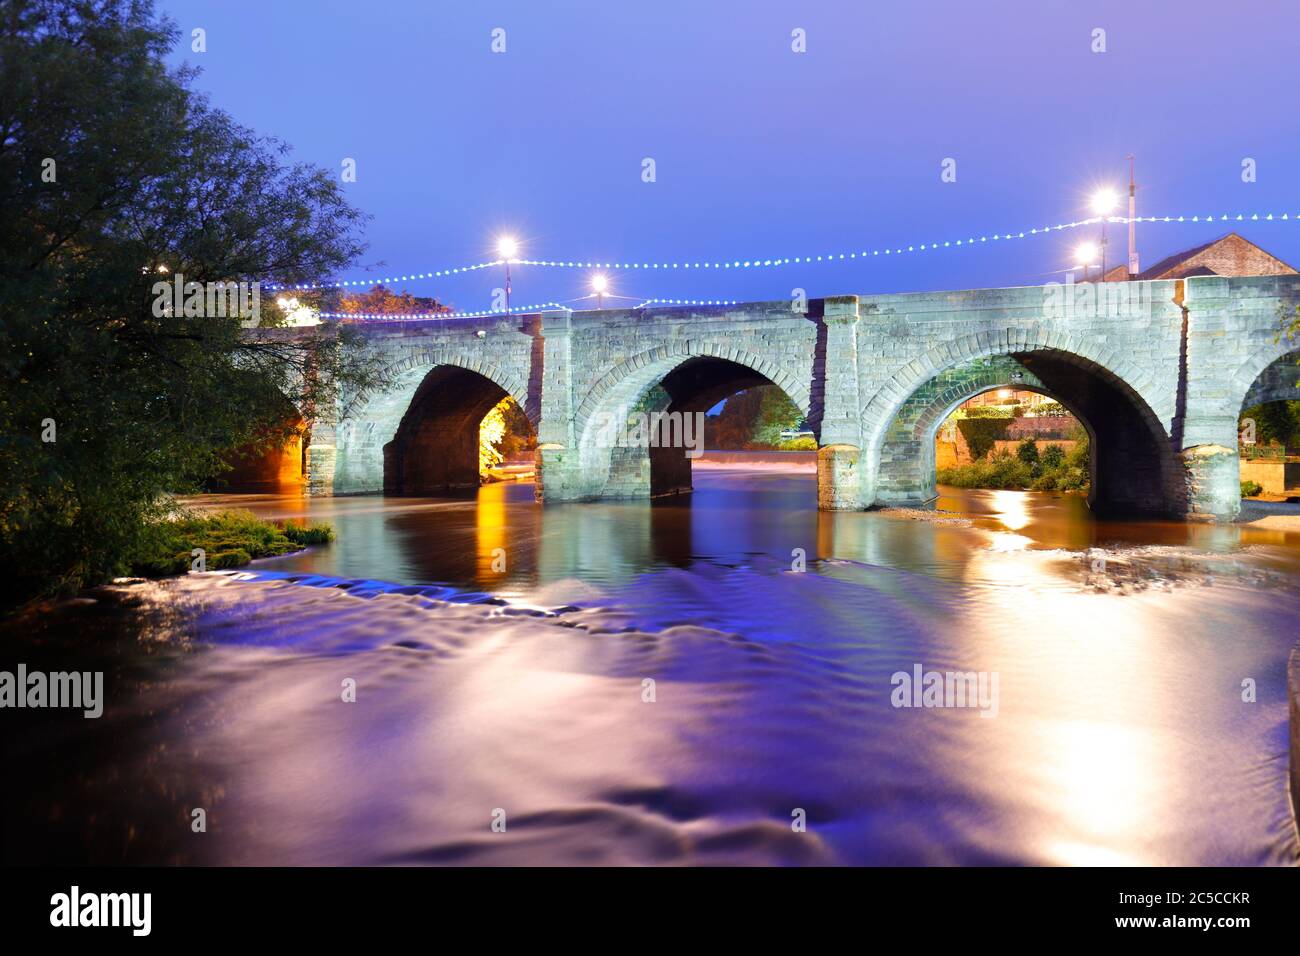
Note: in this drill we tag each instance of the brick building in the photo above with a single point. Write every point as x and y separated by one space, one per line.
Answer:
1229 255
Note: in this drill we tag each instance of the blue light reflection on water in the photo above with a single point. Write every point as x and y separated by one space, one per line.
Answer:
1121 735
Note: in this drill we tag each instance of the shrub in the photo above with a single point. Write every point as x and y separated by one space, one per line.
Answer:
1051 458
981 432
230 539
1000 471
309 534
1079 455
1072 479
986 411
1054 470
1027 451
1249 489
802 443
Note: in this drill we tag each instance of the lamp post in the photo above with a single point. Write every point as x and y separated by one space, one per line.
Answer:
599 283
507 248
1103 204
1084 256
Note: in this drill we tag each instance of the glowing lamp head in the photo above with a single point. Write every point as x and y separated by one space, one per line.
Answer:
1085 254
1104 201
599 283
507 247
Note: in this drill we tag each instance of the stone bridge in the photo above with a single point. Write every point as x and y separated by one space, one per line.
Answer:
1158 373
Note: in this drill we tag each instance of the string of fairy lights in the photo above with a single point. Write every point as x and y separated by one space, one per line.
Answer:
508 258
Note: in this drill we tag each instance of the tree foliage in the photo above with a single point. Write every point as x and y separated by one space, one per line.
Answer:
753 418
1276 423
380 300
113 170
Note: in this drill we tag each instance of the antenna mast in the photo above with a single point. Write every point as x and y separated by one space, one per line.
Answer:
1132 224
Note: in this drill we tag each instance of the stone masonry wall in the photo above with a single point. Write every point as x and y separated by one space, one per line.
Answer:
1181 354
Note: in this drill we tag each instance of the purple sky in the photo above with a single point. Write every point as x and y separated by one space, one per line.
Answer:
762 152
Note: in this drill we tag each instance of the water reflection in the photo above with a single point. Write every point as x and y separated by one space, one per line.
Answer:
732 520
1121 736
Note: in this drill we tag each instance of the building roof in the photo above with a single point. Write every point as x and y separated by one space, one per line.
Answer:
1228 255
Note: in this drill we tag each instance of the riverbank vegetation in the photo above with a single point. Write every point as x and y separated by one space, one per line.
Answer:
1051 469
119 183
504 435
758 419
226 540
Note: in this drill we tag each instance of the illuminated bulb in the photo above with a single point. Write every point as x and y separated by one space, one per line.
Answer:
507 247
1104 201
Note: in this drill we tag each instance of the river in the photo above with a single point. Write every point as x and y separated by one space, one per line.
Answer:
703 679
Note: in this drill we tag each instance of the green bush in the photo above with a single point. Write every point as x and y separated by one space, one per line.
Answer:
999 471
986 411
802 443
1249 489
1027 451
1054 470
309 534
981 432
229 539
1079 455
1051 458
228 559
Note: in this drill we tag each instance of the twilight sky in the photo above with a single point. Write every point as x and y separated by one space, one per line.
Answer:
760 151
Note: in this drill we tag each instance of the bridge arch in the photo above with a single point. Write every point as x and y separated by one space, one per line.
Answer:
275 462
686 377
1134 465
419 435
412 368
628 380
1269 375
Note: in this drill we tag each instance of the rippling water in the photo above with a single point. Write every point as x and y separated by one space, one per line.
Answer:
1120 650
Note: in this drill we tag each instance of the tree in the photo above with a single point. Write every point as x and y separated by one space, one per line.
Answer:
753 418
490 433
1275 422
382 301
115 177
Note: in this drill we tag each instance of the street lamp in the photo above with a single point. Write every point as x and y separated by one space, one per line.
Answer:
599 283
1104 202
507 249
1085 255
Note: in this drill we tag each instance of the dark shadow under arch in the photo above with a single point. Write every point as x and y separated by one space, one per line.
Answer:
275 464
690 388
435 450
1278 382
